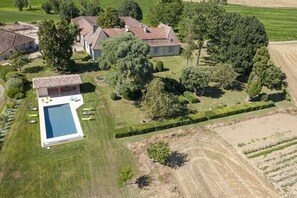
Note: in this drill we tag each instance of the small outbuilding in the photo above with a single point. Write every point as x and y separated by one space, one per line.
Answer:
55 86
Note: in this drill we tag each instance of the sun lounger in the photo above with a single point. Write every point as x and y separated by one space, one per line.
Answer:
31 121
88 113
32 115
88 109
89 118
33 108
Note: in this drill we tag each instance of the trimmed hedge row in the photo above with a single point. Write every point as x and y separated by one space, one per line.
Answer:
190 119
192 98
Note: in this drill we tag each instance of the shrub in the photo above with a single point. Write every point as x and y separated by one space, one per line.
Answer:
46 6
131 94
113 96
12 74
264 97
14 93
159 151
190 119
182 99
159 66
192 98
15 83
125 174
4 70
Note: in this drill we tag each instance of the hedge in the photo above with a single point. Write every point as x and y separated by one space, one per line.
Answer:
190 119
182 99
192 98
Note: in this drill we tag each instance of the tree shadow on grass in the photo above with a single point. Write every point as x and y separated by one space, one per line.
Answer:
143 181
87 87
34 69
84 67
177 159
277 97
213 92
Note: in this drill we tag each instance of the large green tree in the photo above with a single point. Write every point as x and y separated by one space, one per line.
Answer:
55 43
127 58
18 59
225 75
158 103
166 11
198 21
194 79
68 10
254 86
20 4
109 19
130 8
89 8
236 39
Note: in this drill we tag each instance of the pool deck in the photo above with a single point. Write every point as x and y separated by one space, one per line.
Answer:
57 101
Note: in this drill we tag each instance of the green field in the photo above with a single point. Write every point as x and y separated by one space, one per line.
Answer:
280 23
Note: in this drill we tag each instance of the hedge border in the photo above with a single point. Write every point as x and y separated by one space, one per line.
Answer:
190 119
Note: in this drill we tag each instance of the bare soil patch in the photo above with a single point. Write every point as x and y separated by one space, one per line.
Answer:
270 145
285 56
261 3
212 169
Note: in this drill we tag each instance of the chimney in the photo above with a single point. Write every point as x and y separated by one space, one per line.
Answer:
127 28
94 28
145 29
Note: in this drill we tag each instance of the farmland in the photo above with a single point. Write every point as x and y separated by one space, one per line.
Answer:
269 144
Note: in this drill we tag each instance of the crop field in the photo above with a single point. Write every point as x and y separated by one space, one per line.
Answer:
211 168
270 144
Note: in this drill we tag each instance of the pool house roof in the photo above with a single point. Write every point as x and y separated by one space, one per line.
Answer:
56 81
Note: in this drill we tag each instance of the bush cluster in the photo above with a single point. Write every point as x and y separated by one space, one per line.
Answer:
159 66
182 99
15 85
113 96
4 70
190 119
192 98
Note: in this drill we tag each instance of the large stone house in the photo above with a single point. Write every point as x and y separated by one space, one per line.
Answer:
162 39
10 41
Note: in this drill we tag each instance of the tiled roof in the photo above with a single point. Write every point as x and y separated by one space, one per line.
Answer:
8 40
85 23
131 22
56 81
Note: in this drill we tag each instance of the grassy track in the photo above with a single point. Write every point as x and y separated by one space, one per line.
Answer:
280 23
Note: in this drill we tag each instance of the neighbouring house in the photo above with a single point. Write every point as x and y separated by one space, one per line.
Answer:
162 39
57 85
10 41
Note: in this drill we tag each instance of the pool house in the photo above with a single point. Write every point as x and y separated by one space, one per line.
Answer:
57 85
58 98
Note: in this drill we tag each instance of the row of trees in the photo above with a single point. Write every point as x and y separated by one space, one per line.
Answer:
110 16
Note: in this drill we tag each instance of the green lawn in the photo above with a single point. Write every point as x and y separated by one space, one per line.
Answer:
85 168
280 23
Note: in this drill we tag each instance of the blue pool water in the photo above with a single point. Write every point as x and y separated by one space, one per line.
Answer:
59 121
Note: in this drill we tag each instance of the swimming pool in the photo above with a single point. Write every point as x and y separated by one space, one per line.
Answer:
59 121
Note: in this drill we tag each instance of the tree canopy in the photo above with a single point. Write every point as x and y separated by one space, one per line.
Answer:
18 59
236 39
109 19
20 4
166 11
130 8
55 43
158 103
197 22
68 10
225 75
89 8
194 79
127 57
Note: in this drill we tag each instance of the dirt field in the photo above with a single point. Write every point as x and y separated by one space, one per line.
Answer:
285 56
270 145
261 3
211 169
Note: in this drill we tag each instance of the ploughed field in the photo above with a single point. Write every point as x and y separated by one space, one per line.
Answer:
269 143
